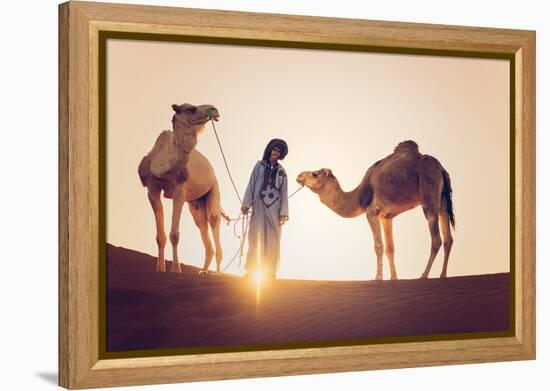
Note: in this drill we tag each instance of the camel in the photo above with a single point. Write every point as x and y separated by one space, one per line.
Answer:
183 174
393 185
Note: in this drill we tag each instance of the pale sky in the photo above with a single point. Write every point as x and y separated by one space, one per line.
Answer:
338 110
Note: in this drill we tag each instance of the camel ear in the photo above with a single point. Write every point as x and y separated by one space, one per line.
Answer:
327 171
176 108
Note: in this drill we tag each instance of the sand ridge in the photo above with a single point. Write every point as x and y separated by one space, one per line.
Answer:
150 310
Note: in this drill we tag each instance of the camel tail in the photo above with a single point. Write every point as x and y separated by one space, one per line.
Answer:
448 193
144 170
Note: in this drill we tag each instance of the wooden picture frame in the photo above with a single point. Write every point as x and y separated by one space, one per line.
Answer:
80 164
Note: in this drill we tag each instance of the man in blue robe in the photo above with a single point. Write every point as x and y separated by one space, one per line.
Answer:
267 194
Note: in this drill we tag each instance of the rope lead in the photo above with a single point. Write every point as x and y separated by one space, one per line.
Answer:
224 159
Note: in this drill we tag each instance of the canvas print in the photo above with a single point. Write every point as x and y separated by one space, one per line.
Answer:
271 197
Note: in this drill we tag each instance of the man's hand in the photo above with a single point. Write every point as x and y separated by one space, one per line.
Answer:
282 219
244 210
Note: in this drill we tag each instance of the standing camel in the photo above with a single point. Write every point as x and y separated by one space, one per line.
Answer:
393 185
176 168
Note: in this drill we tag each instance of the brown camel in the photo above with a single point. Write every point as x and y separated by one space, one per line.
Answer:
176 168
393 185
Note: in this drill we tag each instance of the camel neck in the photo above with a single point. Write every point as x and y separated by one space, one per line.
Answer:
346 204
185 139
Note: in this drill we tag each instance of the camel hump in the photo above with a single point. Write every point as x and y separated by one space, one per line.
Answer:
163 155
149 164
165 138
408 145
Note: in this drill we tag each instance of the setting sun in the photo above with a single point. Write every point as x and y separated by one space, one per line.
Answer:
258 277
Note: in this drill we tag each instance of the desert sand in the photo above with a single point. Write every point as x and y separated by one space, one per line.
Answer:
153 310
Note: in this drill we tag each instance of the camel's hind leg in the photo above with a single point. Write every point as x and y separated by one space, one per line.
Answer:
156 204
447 236
213 211
198 210
374 223
388 238
431 187
432 217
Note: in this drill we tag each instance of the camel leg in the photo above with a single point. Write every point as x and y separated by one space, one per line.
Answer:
433 224
156 204
388 238
198 211
215 224
213 210
177 207
447 241
374 223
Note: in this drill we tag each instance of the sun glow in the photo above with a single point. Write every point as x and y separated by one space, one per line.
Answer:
258 277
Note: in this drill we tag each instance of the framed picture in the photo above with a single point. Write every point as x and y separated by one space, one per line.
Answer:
247 195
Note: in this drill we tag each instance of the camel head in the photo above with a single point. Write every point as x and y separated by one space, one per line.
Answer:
188 121
315 180
190 116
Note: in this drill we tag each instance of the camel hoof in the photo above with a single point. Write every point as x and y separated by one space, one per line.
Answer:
443 275
161 267
378 278
394 277
424 276
176 268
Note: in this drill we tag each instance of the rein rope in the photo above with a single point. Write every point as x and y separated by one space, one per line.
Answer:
209 113
243 218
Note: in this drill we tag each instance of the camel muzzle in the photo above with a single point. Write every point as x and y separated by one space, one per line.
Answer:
213 114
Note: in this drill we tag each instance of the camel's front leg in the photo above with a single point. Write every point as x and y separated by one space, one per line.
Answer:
374 223
156 203
388 237
175 230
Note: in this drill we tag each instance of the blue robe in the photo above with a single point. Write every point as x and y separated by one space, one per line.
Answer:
267 194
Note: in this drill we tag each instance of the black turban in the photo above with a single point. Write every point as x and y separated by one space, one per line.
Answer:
275 143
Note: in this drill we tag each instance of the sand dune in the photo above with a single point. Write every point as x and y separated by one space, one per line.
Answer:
149 310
